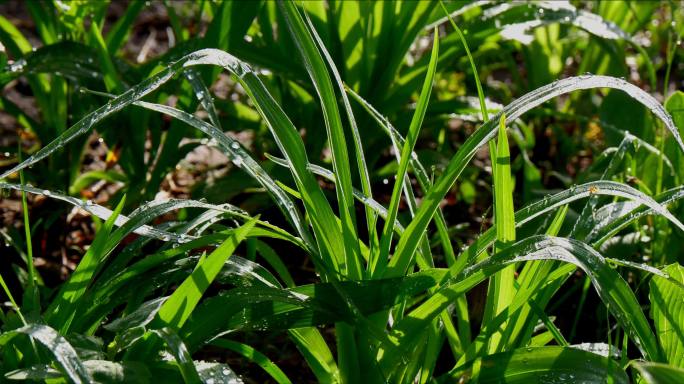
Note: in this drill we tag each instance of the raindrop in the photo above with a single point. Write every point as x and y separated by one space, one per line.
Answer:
46 192
7 154
385 181
235 145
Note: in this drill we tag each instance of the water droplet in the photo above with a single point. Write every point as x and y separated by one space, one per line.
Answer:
235 145
46 192
7 154
385 181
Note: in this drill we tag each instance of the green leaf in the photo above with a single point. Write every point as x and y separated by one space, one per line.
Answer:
307 305
120 30
409 242
501 288
101 371
655 373
318 72
85 179
675 105
398 264
175 311
180 353
111 77
371 217
504 213
62 310
255 356
667 309
63 353
610 286
311 344
538 365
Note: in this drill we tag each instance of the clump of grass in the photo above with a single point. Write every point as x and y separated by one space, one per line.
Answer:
143 309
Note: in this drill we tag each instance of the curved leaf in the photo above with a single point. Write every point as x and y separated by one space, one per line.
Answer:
408 243
538 365
64 354
667 309
610 286
654 373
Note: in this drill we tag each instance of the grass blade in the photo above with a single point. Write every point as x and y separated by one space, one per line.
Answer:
238 155
612 289
175 311
255 356
655 373
61 312
371 217
543 364
397 265
408 243
668 314
180 353
418 171
318 72
63 352
501 288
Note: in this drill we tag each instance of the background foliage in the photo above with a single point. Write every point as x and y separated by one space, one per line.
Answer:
342 191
